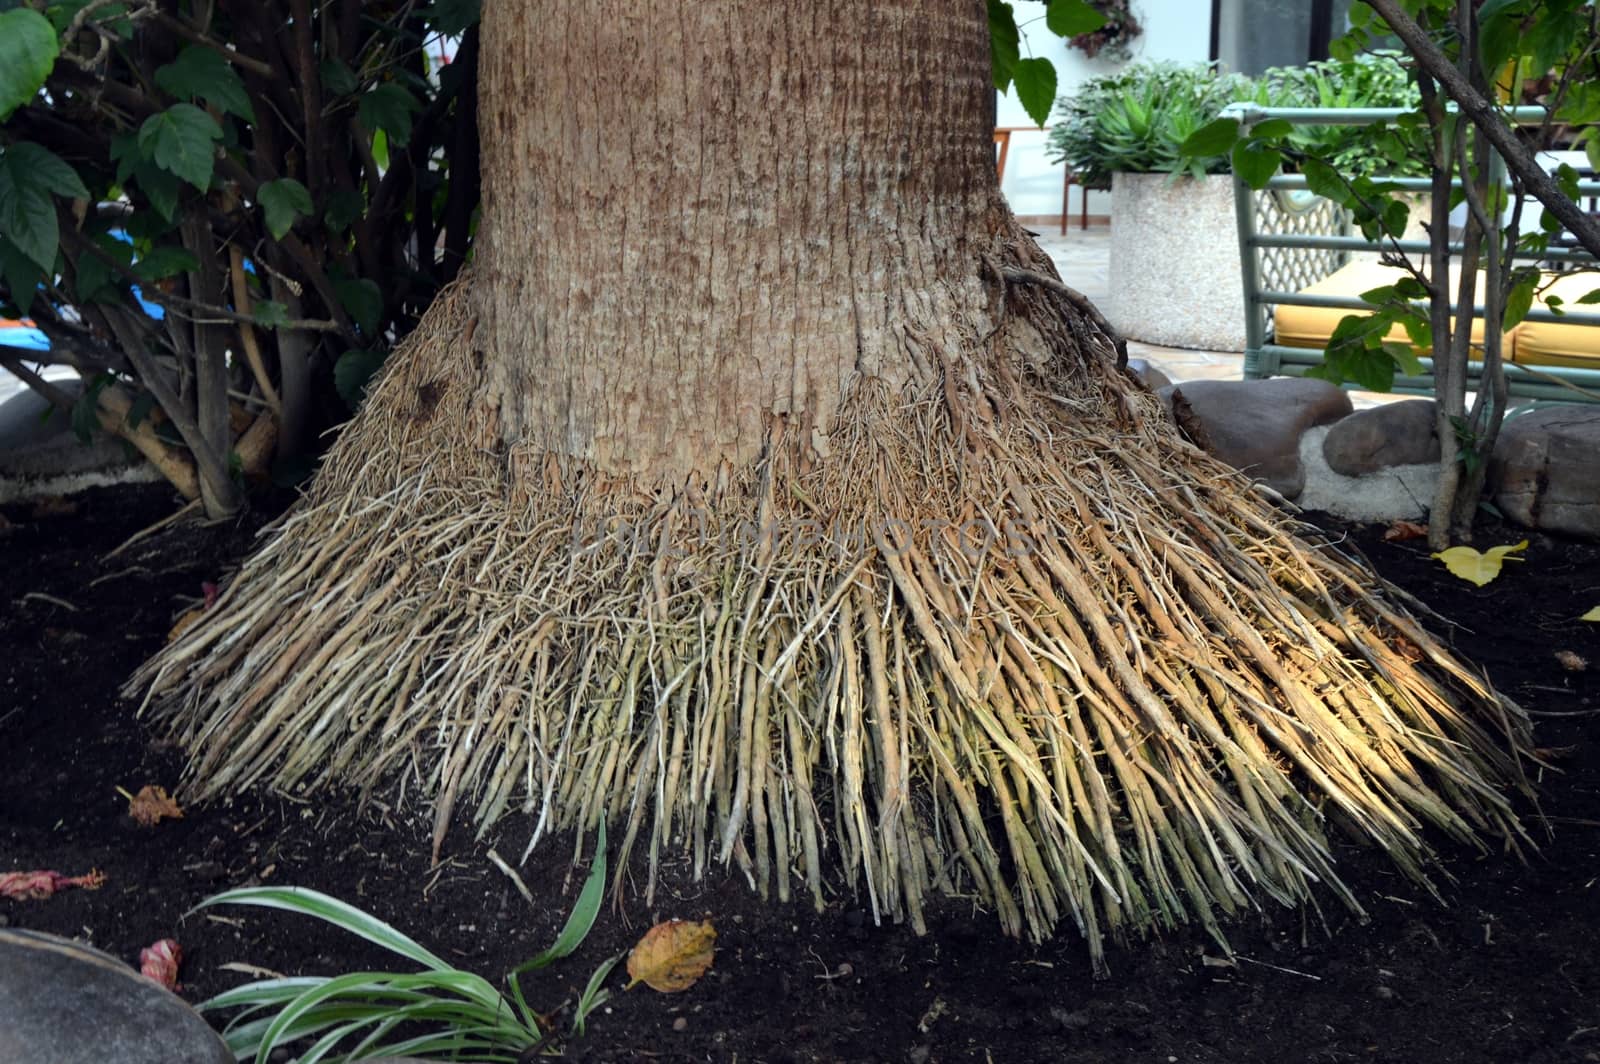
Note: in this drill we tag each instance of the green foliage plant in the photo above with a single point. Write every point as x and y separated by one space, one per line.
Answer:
1139 119
438 1012
1499 53
287 184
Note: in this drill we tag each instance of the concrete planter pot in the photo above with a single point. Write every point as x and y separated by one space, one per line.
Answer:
1175 262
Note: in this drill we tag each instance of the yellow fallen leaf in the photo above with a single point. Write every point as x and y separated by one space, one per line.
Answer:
152 805
184 623
1479 568
1592 615
672 956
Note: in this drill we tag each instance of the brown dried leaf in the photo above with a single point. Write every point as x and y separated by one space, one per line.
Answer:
1402 530
160 961
1572 662
672 956
153 805
183 623
34 886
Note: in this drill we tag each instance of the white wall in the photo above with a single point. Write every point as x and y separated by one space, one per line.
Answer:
1176 30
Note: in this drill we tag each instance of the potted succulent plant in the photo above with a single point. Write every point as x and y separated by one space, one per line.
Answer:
1174 251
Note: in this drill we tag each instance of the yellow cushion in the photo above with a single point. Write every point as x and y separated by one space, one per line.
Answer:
1545 343
1313 326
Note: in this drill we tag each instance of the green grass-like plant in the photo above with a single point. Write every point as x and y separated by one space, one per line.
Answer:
440 1011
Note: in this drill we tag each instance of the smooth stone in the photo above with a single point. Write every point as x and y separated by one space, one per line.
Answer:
28 418
1546 469
1148 374
67 1003
1255 426
1394 434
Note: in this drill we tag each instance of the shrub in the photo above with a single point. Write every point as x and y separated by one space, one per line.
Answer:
1137 119
273 176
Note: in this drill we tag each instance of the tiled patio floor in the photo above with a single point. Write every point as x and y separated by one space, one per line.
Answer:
1083 258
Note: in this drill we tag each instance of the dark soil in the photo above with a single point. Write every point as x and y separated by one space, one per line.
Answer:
1505 969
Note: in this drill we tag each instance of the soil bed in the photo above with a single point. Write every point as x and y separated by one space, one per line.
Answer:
1504 969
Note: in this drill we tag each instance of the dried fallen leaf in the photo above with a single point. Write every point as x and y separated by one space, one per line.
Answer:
34 886
151 805
184 623
1572 662
160 962
673 955
1402 530
1592 615
1479 568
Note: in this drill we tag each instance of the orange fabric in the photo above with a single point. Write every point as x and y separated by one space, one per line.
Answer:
1546 343
1313 326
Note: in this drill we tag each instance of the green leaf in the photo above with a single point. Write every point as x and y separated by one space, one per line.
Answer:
380 149
344 916
388 107
140 409
583 914
1216 137
44 170
1405 359
1036 87
29 175
283 201
1409 287
28 218
164 261
1395 215
344 207
271 315
351 373
1272 128
1255 163
1520 299
1005 43
1418 329
1325 181
337 79
159 187
1590 298
180 141
1068 18
202 73
22 275
363 299
452 17
28 50
85 420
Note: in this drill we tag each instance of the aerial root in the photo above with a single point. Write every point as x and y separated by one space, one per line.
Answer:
1073 670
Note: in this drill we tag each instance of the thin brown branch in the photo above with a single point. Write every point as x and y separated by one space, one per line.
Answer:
1079 301
190 33
1482 113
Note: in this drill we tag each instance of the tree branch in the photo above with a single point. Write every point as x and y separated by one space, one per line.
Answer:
1078 300
1482 114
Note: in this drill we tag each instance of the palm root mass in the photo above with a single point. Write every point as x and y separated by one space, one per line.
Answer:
1013 638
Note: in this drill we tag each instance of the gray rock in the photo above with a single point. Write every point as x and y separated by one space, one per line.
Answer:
1546 469
1255 426
1394 434
1151 377
27 418
68 1003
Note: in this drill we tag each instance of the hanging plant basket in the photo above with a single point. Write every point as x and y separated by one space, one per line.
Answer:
1115 39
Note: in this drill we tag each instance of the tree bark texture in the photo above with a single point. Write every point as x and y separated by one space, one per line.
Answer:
702 218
